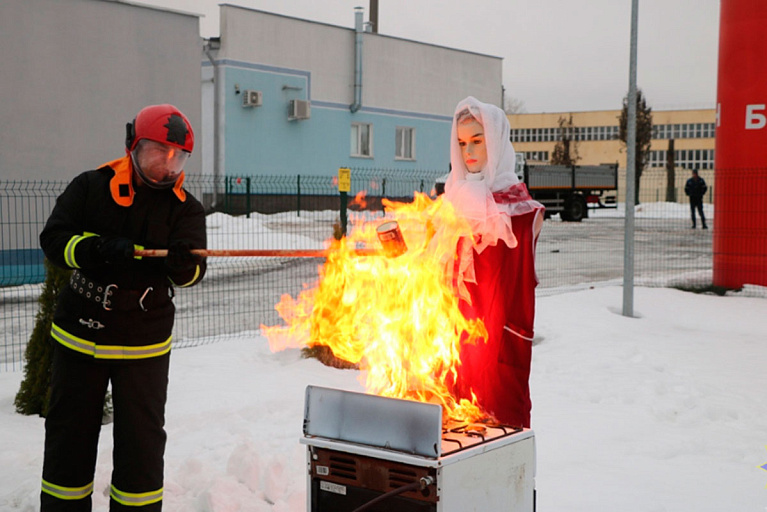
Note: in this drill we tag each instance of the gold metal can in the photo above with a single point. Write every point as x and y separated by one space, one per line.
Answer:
391 239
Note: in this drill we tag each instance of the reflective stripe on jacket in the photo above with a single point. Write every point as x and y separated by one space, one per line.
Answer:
109 351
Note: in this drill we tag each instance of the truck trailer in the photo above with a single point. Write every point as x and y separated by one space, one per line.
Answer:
569 190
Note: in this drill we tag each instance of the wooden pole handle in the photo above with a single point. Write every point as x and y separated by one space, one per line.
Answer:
264 253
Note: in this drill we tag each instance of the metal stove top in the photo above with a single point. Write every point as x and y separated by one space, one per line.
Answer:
461 436
396 429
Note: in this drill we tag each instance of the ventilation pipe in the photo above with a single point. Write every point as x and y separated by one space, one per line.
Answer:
374 16
358 30
219 100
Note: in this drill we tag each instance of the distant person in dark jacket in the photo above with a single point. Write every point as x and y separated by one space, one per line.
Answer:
696 188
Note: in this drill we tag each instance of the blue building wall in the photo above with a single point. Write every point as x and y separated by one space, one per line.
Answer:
21 266
262 141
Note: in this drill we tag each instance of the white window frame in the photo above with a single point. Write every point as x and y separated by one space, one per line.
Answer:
399 138
356 140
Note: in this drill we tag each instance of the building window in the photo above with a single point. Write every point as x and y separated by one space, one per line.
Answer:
405 143
686 159
537 156
362 140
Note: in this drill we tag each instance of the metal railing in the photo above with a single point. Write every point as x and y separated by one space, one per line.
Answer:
289 212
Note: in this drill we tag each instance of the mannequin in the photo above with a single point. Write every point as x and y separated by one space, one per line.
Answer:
495 275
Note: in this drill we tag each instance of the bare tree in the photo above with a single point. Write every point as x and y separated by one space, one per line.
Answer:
513 105
566 149
643 135
670 173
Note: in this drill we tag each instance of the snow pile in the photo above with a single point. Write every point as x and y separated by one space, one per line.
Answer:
660 412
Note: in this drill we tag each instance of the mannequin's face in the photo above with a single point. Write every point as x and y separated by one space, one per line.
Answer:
471 139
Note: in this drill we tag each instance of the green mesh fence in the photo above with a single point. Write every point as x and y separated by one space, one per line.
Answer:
296 212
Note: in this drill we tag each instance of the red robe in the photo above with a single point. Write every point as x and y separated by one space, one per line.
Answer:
497 371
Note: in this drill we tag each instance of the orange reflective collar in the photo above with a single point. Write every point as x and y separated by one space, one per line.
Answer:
180 193
121 185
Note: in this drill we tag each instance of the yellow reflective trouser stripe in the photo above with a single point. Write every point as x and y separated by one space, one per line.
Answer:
67 493
109 351
135 499
191 281
69 249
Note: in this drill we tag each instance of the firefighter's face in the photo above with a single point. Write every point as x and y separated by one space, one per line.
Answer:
471 139
160 163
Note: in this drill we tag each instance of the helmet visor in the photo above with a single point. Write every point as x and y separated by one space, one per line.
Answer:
160 163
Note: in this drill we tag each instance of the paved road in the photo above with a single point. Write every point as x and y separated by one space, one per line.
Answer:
239 294
592 251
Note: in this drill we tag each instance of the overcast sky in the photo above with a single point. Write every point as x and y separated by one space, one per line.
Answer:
558 55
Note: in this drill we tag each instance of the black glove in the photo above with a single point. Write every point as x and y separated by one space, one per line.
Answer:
114 249
180 257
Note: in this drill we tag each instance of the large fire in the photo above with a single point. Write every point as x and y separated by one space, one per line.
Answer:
396 317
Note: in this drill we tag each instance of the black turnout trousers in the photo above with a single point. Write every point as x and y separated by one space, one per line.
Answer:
139 392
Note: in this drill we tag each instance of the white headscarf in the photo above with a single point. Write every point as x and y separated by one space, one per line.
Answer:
473 198
501 158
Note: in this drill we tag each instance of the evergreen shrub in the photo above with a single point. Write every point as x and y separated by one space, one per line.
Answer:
34 392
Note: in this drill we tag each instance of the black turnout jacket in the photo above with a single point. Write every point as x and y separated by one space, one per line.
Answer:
152 219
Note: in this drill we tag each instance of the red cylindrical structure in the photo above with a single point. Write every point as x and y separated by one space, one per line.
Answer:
740 192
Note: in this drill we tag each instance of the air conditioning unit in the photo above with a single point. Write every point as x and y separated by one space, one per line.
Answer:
300 109
252 98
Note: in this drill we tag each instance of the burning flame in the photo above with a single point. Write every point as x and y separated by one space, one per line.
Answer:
397 318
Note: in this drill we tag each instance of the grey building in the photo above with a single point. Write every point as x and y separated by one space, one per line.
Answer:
74 72
272 95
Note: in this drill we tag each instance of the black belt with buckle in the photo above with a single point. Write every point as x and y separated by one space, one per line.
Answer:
111 296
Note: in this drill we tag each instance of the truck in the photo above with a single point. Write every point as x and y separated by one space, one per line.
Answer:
569 190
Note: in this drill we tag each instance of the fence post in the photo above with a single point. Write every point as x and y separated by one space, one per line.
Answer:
227 186
344 201
298 195
421 186
247 201
344 187
383 194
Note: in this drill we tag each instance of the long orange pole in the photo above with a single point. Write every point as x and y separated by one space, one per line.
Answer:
265 253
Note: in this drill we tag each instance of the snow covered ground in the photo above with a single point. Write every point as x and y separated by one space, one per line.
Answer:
661 412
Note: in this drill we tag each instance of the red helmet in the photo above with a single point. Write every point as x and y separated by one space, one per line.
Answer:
160 123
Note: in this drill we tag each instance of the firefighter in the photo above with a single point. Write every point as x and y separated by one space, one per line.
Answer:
113 322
